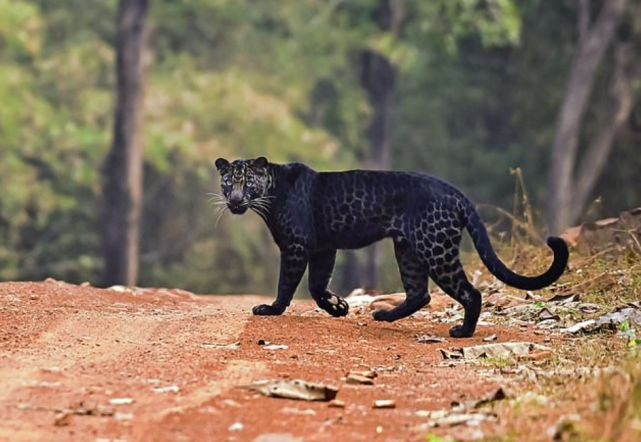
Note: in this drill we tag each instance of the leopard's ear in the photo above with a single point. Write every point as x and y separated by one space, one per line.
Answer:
221 164
261 162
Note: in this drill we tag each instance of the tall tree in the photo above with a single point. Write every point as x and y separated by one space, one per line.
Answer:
122 174
378 79
572 180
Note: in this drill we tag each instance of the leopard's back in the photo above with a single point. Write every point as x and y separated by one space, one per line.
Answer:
356 208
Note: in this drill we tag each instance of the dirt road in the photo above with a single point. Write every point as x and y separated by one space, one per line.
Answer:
83 364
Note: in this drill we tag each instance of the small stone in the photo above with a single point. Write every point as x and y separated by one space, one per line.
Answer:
121 401
385 403
236 426
276 347
168 389
353 378
336 404
365 373
123 416
119 288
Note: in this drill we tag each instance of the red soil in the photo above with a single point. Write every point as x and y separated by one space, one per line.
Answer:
65 347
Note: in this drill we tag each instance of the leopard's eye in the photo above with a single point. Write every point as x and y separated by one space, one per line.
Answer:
227 182
249 184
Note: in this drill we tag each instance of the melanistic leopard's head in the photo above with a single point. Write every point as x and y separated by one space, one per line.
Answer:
245 184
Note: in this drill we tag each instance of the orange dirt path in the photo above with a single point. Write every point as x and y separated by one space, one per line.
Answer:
66 347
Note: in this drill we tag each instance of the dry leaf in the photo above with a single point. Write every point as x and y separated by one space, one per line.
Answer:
294 389
63 418
491 338
427 339
497 350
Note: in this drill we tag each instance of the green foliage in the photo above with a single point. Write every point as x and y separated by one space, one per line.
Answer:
19 27
624 326
241 78
495 22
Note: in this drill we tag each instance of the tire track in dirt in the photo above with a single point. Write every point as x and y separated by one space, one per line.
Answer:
96 345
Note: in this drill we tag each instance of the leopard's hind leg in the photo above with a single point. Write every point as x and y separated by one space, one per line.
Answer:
414 276
447 272
441 234
321 266
456 285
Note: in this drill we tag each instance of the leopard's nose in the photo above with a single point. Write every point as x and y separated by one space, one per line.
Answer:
236 197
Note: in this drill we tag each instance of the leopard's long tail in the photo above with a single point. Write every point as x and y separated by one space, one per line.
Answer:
482 243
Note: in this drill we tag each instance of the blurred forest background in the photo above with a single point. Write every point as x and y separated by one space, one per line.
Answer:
468 90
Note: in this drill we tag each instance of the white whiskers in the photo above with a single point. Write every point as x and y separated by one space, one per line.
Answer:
220 204
220 211
261 206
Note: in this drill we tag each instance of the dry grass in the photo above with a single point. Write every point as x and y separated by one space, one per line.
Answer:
589 405
617 404
592 388
594 391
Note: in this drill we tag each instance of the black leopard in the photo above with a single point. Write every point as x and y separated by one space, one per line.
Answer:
313 214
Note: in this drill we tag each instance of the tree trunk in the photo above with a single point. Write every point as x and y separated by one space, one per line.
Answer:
122 174
378 78
594 39
627 70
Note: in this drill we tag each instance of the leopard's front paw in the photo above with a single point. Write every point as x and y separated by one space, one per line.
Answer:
267 310
383 315
334 305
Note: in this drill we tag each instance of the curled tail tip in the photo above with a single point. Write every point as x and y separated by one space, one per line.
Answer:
558 245
555 241
560 248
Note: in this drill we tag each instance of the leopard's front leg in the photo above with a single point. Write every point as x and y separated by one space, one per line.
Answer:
293 262
321 266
